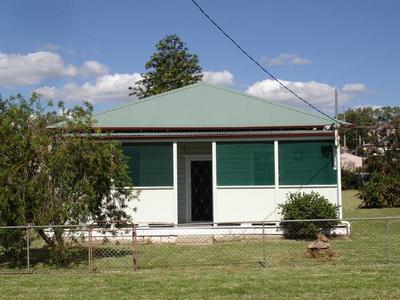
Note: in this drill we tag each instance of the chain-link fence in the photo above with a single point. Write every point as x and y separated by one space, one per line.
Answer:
112 247
127 247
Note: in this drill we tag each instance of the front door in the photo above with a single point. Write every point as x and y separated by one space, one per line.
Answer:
201 190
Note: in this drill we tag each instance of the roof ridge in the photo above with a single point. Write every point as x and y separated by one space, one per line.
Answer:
265 100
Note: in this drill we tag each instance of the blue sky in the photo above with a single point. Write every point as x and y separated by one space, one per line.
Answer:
75 50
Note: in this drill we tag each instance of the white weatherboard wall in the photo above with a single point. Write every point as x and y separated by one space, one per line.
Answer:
155 205
242 204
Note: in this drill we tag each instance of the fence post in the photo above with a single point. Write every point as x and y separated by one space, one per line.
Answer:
388 239
134 250
90 254
264 259
28 262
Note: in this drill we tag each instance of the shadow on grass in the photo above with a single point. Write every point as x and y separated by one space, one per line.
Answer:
72 257
44 257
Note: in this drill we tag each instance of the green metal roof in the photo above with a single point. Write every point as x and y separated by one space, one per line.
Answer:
203 105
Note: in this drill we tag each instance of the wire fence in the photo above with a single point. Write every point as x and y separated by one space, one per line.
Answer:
127 247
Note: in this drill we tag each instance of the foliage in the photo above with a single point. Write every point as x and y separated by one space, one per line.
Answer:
171 67
349 180
381 191
370 193
304 206
384 153
380 128
383 162
367 120
362 116
58 175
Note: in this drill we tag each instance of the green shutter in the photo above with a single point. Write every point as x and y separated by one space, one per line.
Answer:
245 163
150 164
307 163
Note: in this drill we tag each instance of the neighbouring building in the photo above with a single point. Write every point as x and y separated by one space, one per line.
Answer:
350 162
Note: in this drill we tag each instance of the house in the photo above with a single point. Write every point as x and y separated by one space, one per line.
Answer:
350 162
203 154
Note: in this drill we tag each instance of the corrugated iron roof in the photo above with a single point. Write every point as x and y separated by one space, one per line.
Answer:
203 105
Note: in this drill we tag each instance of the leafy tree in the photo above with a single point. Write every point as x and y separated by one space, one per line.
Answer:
381 191
387 114
169 68
364 120
56 176
367 120
383 163
384 153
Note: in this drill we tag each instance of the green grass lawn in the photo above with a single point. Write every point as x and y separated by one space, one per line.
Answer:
232 270
351 208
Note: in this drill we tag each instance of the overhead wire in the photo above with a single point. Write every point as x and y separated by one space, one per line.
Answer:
257 63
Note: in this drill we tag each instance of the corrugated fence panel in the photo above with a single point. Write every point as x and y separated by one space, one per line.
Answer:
150 164
307 163
241 164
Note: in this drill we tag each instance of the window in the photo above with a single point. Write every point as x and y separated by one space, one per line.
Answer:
244 164
150 164
307 163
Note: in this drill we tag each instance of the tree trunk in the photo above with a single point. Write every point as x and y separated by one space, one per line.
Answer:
48 240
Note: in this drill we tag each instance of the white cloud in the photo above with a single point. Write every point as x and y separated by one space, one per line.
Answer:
287 59
49 92
111 87
104 88
354 88
317 93
49 47
32 68
93 68
57 48
225 77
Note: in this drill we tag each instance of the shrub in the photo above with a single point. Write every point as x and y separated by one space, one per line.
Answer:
303 206
13 242
380 191
349 180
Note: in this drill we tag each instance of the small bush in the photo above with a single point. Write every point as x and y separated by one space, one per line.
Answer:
13 242
303 206
349 180
380 191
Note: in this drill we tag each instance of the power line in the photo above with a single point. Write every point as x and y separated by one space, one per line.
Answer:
258 64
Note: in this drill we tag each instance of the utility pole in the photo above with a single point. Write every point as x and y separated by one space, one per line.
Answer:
336 104
344 132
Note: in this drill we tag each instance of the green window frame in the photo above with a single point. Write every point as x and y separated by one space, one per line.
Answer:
307 163
150 164
245 163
